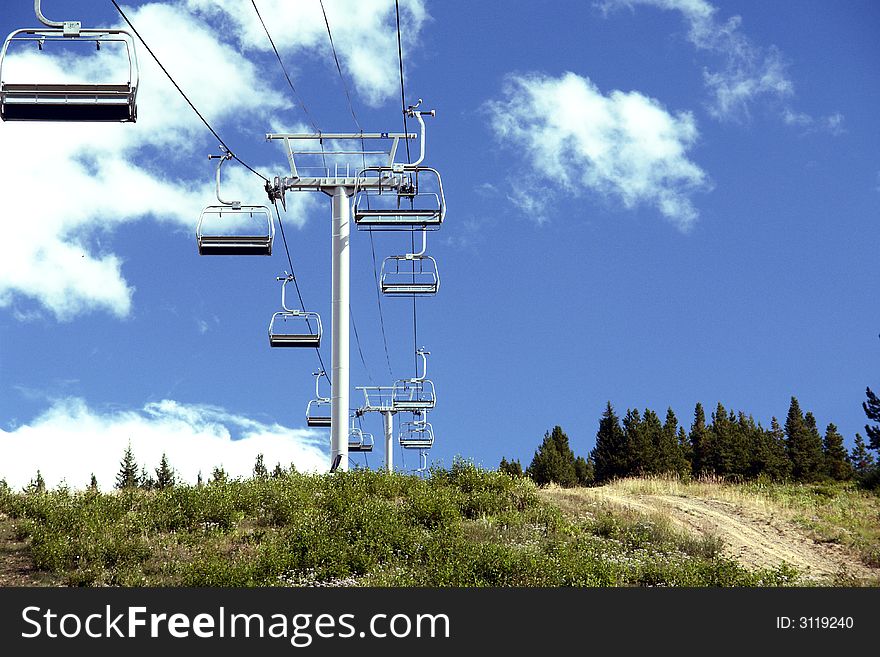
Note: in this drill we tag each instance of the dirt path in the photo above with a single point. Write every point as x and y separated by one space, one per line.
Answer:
16 565
753 537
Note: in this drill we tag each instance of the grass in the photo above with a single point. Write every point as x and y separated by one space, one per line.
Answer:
460 527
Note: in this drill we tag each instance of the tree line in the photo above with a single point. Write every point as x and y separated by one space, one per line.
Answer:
728 445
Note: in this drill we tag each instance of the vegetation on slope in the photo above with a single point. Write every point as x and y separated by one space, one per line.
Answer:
459 527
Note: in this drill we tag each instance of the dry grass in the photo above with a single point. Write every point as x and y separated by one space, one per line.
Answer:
828 512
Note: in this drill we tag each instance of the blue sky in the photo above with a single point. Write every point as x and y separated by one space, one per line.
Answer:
652 202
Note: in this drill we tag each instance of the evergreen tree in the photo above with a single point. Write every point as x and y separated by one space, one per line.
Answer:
638 449
199 481
37 484
277 471
146 480
862 460
584 471
553 461
513 468
260 471
718 452
219 475
651 442
803 444
609 455
768 456
684 453
127 477
872 410
700 439
164 474
93 483
836 460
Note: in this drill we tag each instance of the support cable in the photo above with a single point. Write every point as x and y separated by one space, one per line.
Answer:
185 97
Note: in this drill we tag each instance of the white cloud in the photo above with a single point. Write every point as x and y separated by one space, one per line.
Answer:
623 145
364 34
749 71
66 184
70 441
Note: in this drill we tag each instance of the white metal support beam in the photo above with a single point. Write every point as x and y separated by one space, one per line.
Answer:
339 398
389 439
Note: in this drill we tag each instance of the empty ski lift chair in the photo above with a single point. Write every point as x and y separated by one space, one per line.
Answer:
400 196
405 199
108 102
232 228
318 409
359 440
416 434
410 274
293 327
416 394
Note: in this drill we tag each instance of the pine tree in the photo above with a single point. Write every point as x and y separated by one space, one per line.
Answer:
93 483
872 410
638 451
513 468
277 471
260 471
164 474
553 461
219 475
650 437
801 444
609 455
862 460
127 477
700 439
146 480
719 450
37 484
584 471
199 481
836 460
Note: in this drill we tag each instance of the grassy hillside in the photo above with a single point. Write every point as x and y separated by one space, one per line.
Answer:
460 527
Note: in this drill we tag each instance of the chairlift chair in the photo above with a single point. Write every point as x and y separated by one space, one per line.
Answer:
416 434
359 440
386 198
416 394
410 274
318 409
292 327
69 101
232 228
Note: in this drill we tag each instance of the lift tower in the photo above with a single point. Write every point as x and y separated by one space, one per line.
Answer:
341 182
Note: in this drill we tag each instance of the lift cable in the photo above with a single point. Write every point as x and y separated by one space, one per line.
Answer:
402 93
284 70
379 303
296 95
185 97
358 341
339 67
296 284
408 159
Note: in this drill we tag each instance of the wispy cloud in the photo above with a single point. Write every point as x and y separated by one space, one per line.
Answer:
624 146
70 441
749 72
